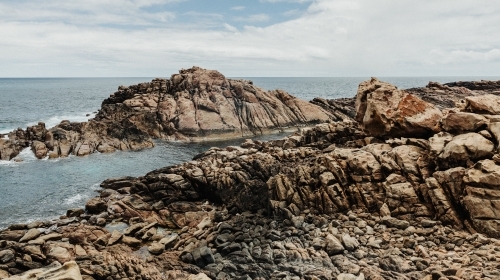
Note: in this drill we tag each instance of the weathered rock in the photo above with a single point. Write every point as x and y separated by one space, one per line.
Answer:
460 122
59 253
483 104
333 245
384 110
482 197
156 248
464 147
30 235
203 256
194 105
55 271
115 237
96 205
130 241
396 223
6 256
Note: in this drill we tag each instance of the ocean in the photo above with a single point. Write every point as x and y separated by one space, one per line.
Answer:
44 189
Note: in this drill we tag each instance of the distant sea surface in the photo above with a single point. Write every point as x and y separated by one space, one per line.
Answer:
44 189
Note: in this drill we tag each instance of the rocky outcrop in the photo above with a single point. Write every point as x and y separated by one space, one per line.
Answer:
329 202
384 110
194 105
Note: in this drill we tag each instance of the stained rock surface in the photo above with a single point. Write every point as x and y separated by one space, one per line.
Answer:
329 202
194 105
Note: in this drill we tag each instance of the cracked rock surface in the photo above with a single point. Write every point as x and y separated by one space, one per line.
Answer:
330 202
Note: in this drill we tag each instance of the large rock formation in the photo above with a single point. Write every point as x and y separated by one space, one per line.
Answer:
330 202
194 105
384 110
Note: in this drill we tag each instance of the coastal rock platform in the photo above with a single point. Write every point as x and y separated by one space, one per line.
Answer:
406 189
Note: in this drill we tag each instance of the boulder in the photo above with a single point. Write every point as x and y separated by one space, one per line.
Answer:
30 235
59 253
483 104
460 122
482 197
96 205
464 147
384 110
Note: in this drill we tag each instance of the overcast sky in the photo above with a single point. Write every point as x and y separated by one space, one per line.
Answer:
327 38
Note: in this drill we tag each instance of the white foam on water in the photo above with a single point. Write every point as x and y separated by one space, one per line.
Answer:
73 199
8 162
52 121
25 155
55 120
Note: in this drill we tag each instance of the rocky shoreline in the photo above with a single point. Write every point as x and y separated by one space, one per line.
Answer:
405 187
194 105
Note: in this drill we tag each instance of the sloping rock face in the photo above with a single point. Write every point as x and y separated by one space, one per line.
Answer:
194 105
199 103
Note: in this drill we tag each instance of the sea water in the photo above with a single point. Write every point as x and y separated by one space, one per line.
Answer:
44 189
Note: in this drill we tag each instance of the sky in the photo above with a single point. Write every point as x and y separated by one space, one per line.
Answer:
243 38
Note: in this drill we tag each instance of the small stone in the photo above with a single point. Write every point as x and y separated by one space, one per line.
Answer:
396 223
350 243
428 223
169 241
6 256
115 237
384 211
333 245
130 241
156 248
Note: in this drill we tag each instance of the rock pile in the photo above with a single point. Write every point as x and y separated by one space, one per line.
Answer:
409 192
194 105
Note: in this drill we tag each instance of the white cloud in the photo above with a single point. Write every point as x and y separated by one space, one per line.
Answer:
253 18
238 8
290 13
331 38
290 1
230 27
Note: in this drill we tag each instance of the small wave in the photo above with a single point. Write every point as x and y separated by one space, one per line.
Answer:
74 199
8 162
55 120
25 155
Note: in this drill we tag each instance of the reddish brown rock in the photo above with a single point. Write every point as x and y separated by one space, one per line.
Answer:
384 110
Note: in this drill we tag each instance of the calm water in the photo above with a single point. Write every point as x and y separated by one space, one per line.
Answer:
36 189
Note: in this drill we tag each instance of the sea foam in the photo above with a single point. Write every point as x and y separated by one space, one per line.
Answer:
55 120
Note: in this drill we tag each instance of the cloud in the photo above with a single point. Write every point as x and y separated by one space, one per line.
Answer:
253 18
289 1
230 27
238 8
290 13
330 38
